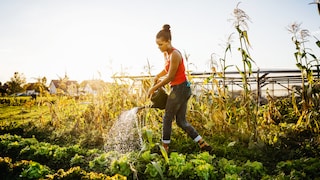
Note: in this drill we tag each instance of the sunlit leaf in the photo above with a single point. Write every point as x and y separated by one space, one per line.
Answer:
312 55
228 48
275 139
245 34
158 168
299 120
295 107
164 153
296 54
231 144
238 29
318 43
225 68
299 65
149 135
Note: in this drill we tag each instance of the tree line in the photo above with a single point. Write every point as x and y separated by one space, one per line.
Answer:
17 84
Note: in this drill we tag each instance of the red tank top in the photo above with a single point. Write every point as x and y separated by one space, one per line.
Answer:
180 75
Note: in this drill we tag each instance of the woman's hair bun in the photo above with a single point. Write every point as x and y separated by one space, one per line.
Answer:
165 33
166 27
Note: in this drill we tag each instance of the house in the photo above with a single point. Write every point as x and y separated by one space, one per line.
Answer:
93 87
64 87
32 89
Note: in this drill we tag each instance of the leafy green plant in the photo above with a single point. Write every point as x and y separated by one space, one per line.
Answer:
122 166
178 165
151 170
300 168
253 170
150 144
77 160
228 167
35 170
102 163
202 166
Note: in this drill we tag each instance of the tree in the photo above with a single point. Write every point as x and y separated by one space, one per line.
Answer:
40 85
3 89
15 85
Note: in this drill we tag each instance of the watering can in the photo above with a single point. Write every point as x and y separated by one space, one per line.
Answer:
159 98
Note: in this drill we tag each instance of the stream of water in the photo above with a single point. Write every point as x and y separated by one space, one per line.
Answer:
125 134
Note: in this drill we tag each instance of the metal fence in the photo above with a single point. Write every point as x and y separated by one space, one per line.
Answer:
274 82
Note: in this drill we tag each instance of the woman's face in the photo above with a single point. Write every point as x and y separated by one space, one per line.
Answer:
162 44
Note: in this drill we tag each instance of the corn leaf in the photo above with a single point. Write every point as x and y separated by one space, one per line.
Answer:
164 153
245 35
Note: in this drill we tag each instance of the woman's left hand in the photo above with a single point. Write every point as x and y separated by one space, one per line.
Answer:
151 91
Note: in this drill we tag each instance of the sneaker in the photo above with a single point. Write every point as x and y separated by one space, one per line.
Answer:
166 147
204 146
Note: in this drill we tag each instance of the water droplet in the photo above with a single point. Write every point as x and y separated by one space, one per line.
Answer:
125 134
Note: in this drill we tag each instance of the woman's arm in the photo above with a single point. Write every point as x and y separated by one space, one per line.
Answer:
158 76
174 64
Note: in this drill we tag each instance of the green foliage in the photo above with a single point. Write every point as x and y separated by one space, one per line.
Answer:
78 173
53 156
77 160
102 163
22 169
94 164
228 167
121 166
301 168
202 166
198 166
35 170
153 170
178 167
15 101
16 82
253 170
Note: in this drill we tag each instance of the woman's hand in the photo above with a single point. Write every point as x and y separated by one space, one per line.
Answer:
151 91
156 80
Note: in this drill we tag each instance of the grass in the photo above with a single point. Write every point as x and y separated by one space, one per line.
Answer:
23 113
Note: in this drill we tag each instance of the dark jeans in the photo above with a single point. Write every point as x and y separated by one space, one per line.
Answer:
176 107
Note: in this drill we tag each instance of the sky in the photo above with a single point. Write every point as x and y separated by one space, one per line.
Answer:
96 39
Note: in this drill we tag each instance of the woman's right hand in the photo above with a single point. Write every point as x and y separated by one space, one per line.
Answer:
156 80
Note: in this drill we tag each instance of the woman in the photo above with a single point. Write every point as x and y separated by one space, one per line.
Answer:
180 90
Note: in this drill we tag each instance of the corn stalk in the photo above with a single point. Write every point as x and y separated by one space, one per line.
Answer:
304 61
240 24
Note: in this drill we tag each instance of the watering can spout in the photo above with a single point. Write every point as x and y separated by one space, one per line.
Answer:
143 107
